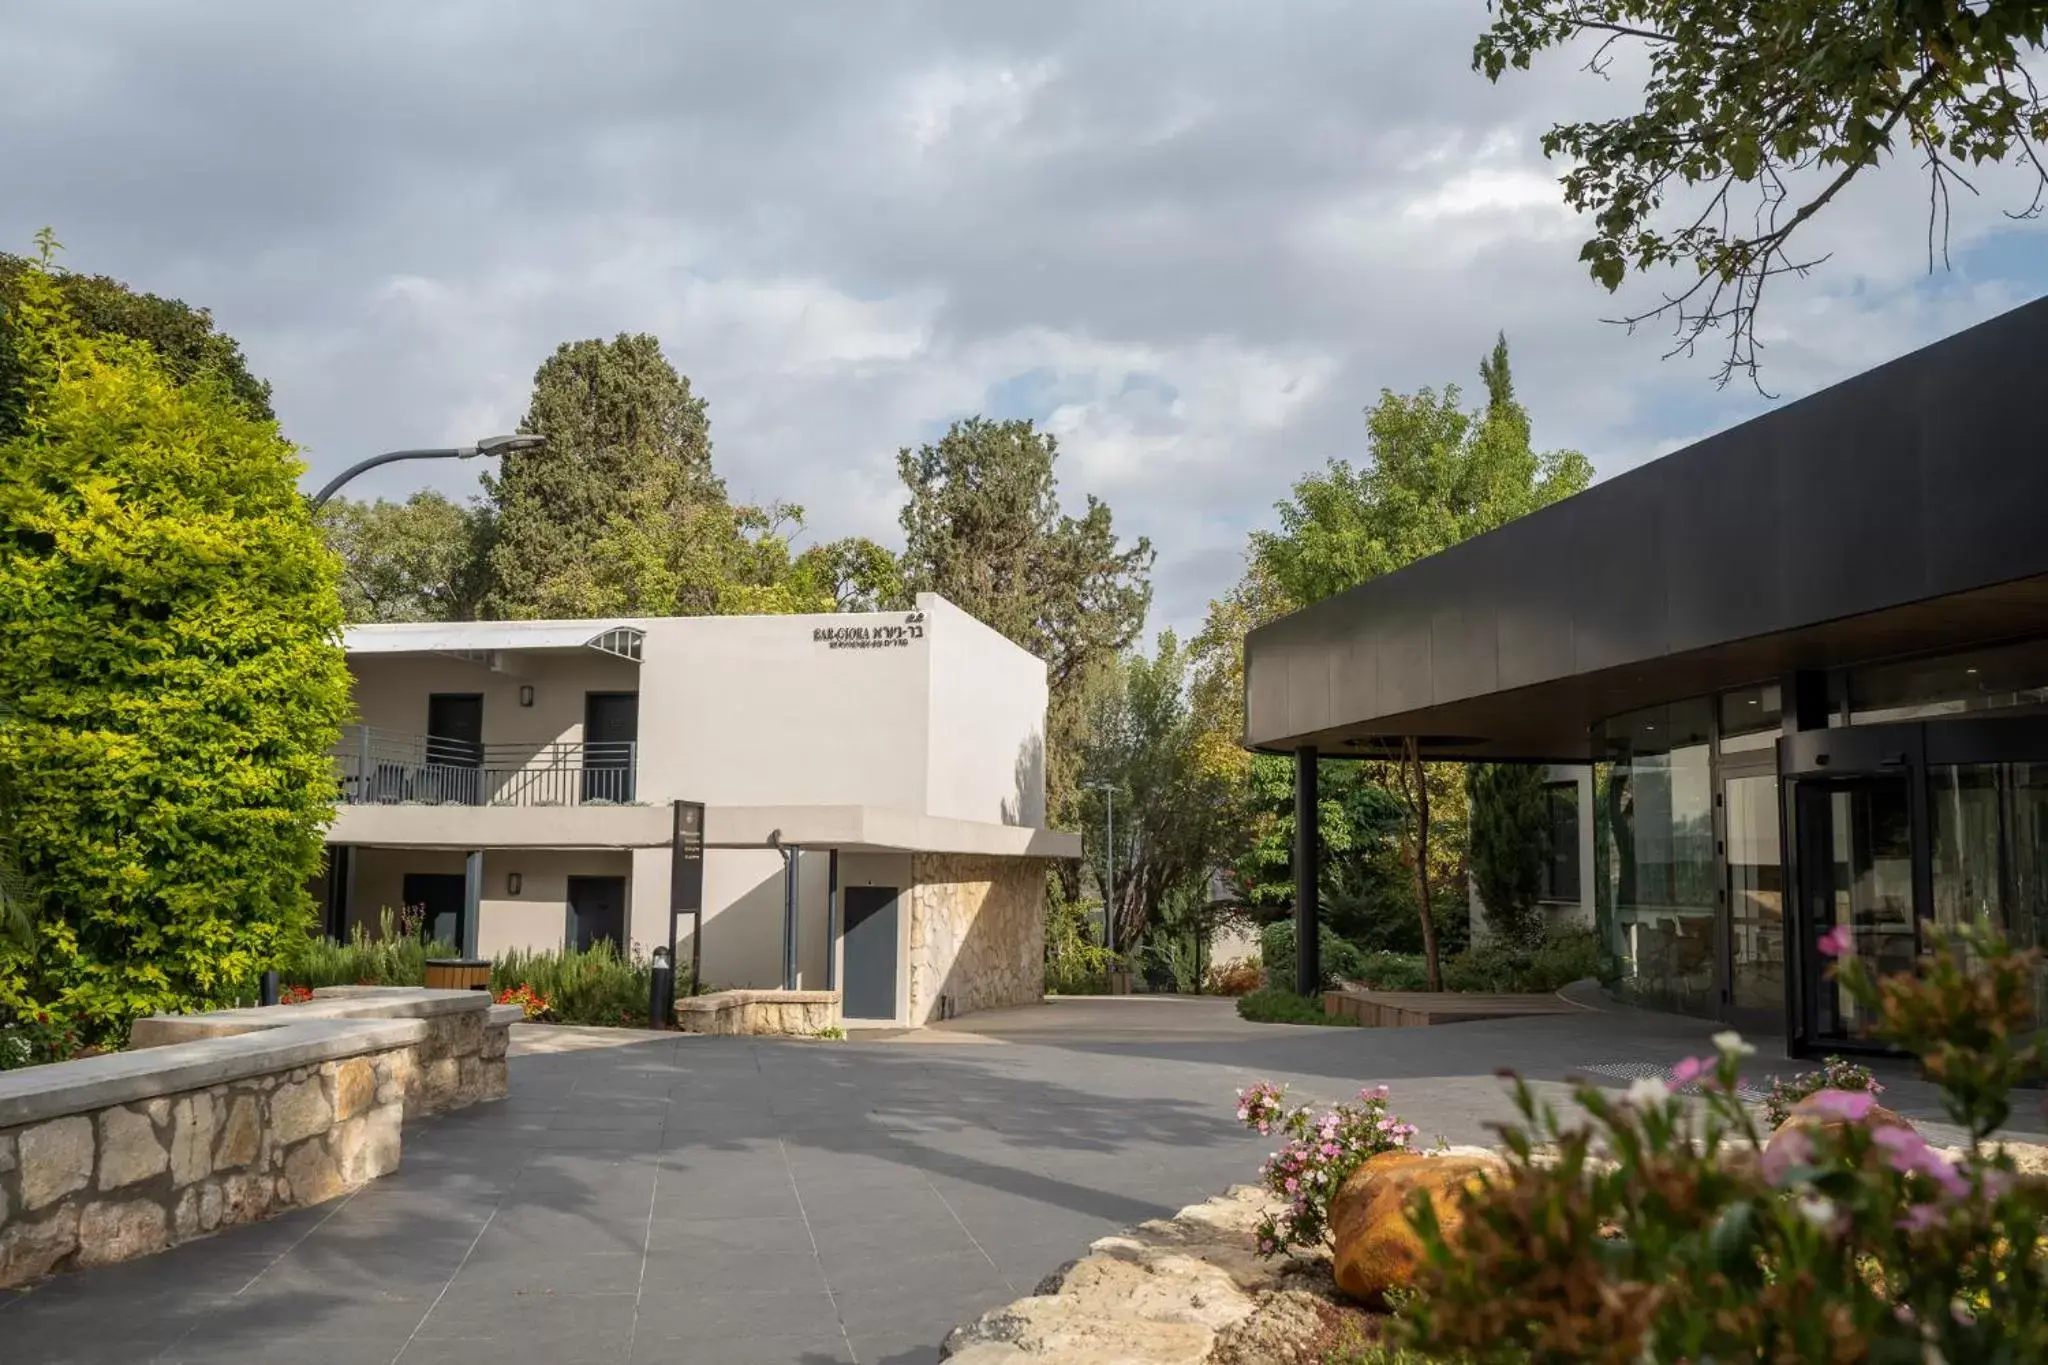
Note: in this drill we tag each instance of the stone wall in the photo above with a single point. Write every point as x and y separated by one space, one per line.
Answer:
91 1189
228 1117
977 933
792 1014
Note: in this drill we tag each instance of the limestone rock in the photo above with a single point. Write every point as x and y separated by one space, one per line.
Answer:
313 1176
29 1250
192 1140
6 1153
241 1137
56 1158
244 1198
298 1111
367 1146
130 1150
1376 1248
1806 1116
110 1232
355 1087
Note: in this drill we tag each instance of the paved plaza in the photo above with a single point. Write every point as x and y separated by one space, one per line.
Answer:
649 1197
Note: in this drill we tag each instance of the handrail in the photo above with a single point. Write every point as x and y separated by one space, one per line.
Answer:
387 767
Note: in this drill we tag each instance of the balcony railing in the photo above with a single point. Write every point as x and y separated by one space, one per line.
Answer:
390 767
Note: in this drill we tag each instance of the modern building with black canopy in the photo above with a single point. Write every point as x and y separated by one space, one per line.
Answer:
1808 657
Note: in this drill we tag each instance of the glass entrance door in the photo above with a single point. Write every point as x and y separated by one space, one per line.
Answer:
1856 859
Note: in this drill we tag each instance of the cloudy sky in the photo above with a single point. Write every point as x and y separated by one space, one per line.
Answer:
1194 239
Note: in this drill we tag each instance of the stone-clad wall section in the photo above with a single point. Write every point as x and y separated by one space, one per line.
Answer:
91 1189
977 933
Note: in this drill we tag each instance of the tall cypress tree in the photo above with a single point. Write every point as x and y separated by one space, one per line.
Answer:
628 445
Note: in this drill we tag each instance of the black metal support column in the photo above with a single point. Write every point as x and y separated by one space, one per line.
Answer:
1308 858
1803 700
832 920
791 868
472 899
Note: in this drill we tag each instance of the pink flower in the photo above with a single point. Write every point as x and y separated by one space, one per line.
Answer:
1790 1148
1687 1071
1836 942
1846 1106
1292 1184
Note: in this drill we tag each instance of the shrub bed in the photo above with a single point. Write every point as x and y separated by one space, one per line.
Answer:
1272 1005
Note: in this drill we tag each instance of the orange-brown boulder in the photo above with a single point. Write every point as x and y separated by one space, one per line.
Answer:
1376 1247
1810 1115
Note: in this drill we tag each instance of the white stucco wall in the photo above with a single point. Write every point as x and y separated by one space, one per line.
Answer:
391 692
987 749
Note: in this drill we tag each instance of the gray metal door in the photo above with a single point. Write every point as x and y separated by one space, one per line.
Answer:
597 910
870 954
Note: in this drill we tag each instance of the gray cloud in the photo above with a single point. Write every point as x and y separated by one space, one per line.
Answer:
1211 232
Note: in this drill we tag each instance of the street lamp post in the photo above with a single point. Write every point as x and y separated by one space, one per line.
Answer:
491 446
1109 863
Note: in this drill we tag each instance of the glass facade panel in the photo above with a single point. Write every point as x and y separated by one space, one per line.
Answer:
1984 680
1962 809
1561 863
1756 893
2026 822
1658 791
1750 718
1868 884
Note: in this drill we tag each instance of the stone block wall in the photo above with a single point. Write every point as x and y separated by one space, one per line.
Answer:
92 1188
796 1014
977 933
461 1061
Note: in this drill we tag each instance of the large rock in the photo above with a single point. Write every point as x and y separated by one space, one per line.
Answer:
192 1140
1377 1249
56 1158
130 1149
299 1111
30 1250
110 1232
241 1137
1807 1117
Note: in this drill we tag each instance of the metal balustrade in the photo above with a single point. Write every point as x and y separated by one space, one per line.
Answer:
390 767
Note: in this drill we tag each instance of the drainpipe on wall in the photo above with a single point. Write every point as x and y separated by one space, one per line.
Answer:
832 920
472 897
791 866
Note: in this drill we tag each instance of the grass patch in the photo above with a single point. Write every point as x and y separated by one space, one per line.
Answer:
1273 1005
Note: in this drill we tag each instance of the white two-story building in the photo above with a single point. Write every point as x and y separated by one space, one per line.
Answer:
873 789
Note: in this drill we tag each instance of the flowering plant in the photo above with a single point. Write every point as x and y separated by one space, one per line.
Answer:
536 1005
1835 1074
294 995
1701 1238
1320 1151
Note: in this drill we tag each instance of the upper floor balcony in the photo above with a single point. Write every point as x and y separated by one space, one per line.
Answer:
376 767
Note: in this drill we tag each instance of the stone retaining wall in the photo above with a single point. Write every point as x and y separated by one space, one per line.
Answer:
229 1117
795 1014
977 934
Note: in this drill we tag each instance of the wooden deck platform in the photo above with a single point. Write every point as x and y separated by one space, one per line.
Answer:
1422 1009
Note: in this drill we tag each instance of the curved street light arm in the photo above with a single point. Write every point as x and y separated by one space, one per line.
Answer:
389 457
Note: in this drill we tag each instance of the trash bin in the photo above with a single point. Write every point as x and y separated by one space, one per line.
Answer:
458 974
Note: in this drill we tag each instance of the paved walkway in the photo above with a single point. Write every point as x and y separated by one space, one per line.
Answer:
649 1197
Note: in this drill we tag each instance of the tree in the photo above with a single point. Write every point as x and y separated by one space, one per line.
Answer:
184 337
1757 114
628 453
1436 475
858 574
1510 841
424 559
983 529
171 677
1174 819
705 559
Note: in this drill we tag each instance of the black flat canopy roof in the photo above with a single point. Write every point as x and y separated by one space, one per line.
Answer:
1902 511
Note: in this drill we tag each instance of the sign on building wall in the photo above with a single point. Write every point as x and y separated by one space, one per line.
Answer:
871 637
686 866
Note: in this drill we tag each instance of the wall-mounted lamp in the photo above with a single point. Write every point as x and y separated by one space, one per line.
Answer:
513 883
526 694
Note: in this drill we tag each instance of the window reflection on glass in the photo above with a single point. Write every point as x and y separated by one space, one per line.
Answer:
1658 794
1962 806
1983 680
1870 888
1561 860
1756 893
1750 718
2027 847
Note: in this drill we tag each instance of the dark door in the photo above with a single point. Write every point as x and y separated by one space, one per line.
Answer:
869 962
597 910
611 732
438 898
455 748
1856 870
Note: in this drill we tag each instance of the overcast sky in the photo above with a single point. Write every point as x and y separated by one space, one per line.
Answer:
1193 239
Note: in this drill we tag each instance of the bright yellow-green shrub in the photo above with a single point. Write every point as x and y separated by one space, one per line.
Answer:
171 679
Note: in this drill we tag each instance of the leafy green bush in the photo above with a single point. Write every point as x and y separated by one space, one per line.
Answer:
392 957
597 985
1395 972
1566 956
1340 959
1275 1006
171 673
1074 963
1845 1240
